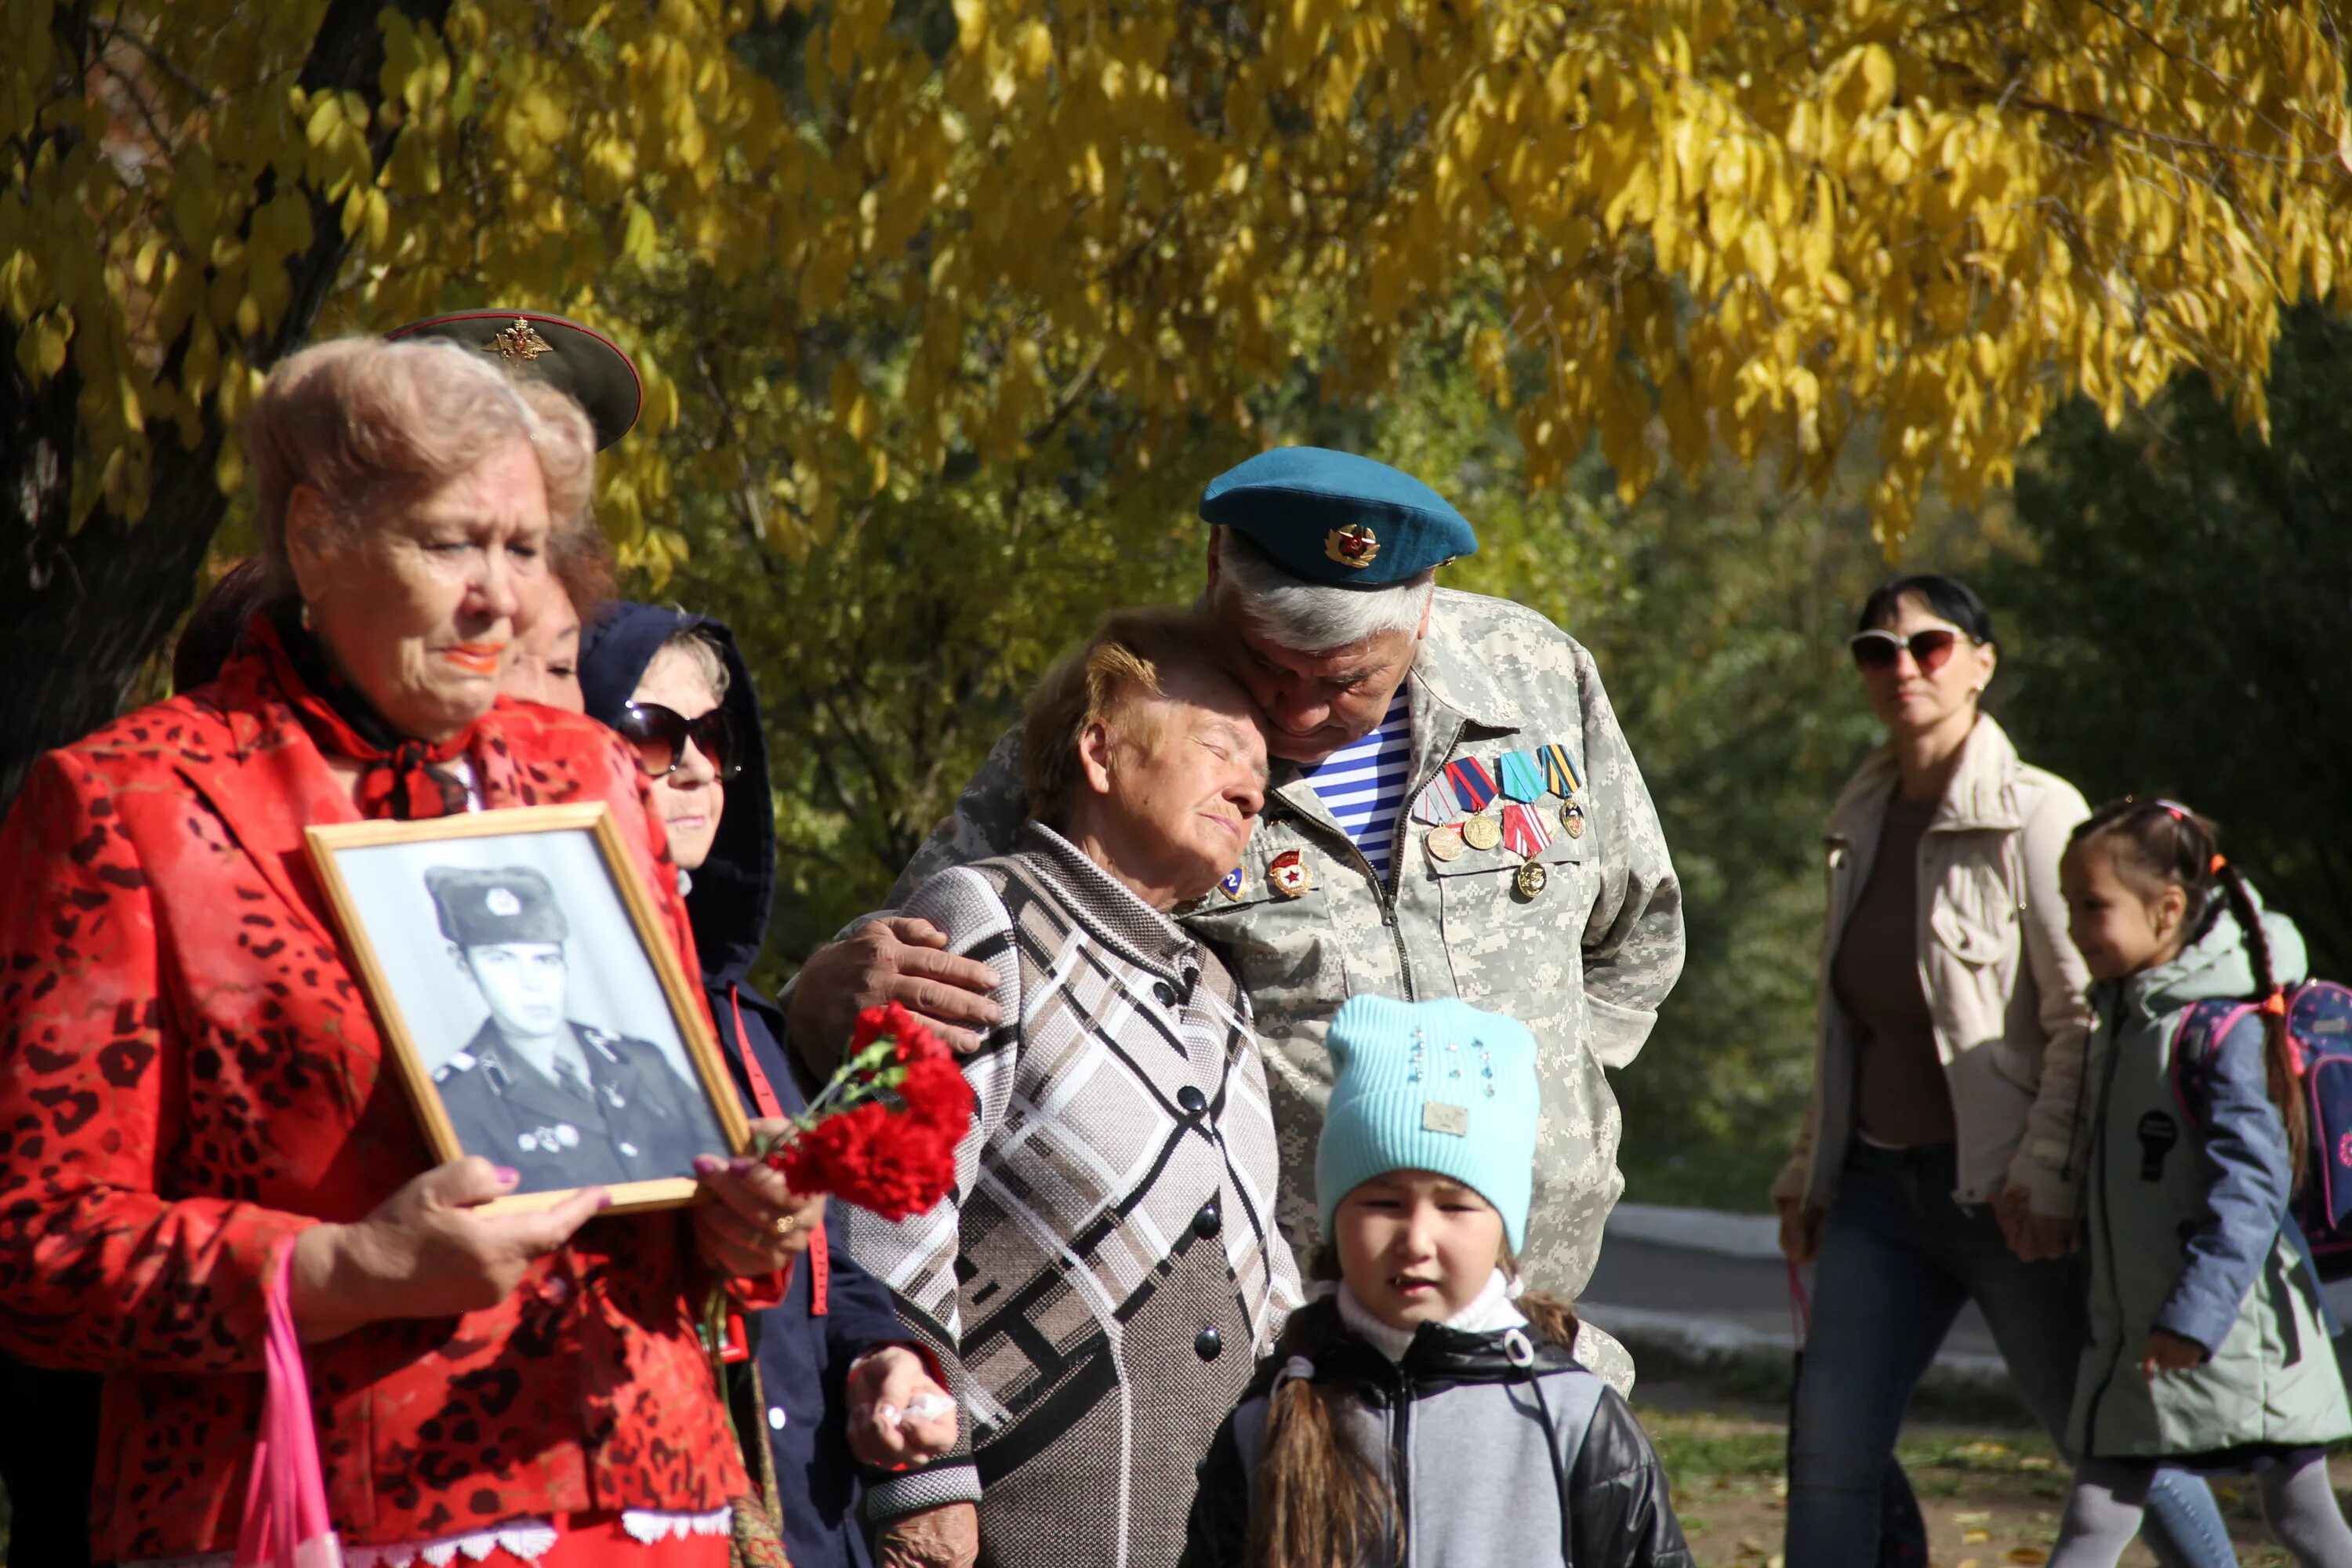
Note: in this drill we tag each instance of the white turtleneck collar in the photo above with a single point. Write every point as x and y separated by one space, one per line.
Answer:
1490 1312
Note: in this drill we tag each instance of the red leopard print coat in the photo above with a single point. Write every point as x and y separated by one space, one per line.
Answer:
190 1076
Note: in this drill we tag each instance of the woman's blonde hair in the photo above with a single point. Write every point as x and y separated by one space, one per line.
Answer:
1125 660
373 425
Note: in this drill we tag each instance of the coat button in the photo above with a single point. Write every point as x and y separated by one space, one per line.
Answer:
1190 1097
1165 992
1208 1222
1209 1344
775 1417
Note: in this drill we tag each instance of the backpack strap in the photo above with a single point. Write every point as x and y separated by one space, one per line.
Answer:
2203 1027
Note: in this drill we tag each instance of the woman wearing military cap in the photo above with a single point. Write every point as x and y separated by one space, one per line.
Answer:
219 1135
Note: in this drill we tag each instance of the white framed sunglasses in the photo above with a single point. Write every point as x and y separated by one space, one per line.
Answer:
1931 647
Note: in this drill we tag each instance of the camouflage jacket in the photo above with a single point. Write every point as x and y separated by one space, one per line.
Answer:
1583 963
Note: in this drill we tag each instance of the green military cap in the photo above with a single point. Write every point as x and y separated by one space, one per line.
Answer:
483 908
1334 517
566 355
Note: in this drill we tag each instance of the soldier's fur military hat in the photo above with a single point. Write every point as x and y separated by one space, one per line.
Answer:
566 355
482 908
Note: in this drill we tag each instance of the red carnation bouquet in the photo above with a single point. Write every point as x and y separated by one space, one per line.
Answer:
883 1133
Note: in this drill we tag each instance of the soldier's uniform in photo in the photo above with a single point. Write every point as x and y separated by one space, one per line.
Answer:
615 1110
1529 875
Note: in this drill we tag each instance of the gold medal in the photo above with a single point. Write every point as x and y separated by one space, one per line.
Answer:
1482 832
1530 879
1445 843
1572 817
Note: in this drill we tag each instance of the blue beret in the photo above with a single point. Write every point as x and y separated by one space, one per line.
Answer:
1333 517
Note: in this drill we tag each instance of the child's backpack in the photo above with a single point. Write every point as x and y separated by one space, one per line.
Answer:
2319 1032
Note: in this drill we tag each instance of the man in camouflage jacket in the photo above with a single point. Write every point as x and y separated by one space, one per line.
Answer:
1584 960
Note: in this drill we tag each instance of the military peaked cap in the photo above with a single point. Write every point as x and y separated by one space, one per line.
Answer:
1334 517
566 355
482 908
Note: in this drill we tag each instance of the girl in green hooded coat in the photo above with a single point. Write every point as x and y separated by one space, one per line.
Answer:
2209 1348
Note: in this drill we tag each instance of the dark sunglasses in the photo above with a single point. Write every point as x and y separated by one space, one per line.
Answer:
660 735
1876 650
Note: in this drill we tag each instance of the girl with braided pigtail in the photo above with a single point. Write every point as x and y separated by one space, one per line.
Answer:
1428 1411
2210 1349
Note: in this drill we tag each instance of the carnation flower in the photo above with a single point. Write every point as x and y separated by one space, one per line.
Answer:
883 1133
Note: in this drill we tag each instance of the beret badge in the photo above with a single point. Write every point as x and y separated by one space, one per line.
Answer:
521 340
1354 546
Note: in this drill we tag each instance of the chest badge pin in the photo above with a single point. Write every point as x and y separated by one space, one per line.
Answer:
1290 874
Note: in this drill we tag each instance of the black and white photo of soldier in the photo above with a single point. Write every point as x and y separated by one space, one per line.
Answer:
567 1104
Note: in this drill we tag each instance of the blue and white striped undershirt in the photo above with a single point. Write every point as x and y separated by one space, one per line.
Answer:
1362 785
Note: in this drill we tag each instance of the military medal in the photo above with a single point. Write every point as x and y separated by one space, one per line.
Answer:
1288 875
1435 805
1354 546
1558 772
1524 832
1482 832
1525 835
1444 842
1231 886
1572 817
1473 785
1522 780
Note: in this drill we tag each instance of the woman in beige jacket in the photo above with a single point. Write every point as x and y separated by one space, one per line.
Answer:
1939 1160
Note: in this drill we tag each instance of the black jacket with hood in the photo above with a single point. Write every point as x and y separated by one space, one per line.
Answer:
804 1349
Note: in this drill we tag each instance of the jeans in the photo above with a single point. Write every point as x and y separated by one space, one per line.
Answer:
1898 1260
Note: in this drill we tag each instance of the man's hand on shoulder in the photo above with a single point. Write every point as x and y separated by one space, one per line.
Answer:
894 959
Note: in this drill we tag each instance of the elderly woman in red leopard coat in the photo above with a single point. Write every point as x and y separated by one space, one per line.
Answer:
196 1104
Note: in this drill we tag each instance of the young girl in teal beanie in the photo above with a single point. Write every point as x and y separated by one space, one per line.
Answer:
1427 1410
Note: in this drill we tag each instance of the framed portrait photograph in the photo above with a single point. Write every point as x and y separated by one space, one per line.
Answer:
532 1000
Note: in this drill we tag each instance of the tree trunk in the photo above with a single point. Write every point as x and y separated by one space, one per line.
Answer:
83 610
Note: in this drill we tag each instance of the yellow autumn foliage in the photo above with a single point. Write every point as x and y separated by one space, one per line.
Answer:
865 240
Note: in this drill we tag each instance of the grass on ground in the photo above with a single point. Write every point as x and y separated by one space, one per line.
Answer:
1991 1494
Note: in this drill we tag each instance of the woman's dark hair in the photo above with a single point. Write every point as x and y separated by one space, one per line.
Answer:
217 621
1947 596
2156 843
1318 1500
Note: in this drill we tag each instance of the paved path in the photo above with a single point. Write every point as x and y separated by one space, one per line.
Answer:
1745 1292
1713 1285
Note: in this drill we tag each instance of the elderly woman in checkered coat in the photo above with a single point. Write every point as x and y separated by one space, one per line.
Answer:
1107 1269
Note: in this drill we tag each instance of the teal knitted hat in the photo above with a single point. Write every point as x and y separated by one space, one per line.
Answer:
1430 1086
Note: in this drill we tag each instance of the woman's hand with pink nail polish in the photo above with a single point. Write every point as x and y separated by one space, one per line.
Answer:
758 1224
427 1252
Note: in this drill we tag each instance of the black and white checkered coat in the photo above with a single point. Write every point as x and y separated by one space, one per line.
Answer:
1108 1268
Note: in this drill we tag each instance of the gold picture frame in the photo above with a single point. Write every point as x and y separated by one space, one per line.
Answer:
360 864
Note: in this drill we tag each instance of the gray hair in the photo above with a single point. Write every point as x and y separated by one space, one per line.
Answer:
701 651
1313 617
374 424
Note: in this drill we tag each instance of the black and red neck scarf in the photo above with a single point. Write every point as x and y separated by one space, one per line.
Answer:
403 778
